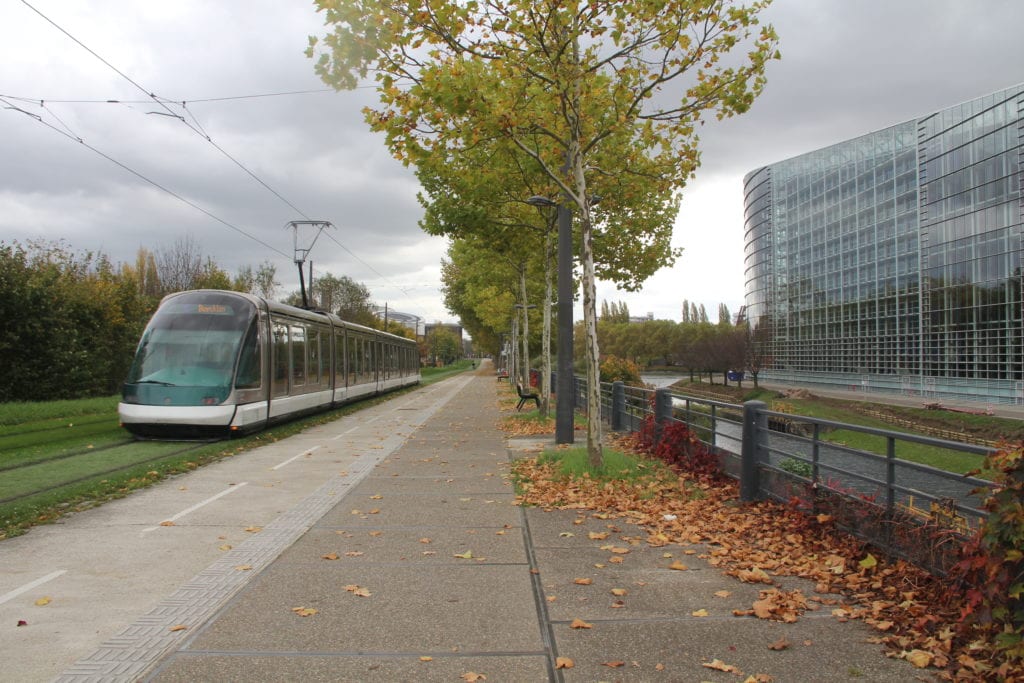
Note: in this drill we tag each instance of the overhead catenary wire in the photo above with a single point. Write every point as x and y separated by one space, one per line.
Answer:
374 270
71 136
163 103
185 102
195 127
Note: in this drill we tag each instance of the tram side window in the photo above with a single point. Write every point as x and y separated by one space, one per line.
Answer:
360 360
298 355
339 357
249 364
344 358
368 375
313 355
352 343
280 342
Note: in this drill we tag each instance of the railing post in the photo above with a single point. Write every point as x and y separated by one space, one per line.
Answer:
618 405
890 487
755 424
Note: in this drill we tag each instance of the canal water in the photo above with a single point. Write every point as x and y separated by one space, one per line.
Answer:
660 380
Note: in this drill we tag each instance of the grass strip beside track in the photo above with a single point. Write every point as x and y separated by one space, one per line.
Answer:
47 478
24 412
53 474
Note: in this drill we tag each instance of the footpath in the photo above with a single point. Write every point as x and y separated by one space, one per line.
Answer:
406 559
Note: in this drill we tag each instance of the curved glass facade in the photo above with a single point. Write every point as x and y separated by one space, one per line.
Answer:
892 261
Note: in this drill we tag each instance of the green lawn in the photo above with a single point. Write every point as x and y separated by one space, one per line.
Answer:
103 461
941 458
431 375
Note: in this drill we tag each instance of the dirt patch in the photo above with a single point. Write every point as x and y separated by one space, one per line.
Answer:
798 393
984 427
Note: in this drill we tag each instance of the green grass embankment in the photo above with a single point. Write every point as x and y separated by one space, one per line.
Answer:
64 456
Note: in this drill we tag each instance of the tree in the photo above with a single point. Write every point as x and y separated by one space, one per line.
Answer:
144 274
615 369
179 267
442 345
580 88
71 322
759 347
615 312
724 318
343 296
396 328
262 283
212 276
730 349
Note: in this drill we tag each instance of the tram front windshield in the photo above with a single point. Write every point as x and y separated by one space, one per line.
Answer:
192 341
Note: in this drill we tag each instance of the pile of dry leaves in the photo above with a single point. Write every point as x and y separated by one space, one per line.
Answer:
916 614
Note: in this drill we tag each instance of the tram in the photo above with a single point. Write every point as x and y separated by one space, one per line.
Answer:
214 363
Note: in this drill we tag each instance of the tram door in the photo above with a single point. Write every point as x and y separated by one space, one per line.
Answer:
279 345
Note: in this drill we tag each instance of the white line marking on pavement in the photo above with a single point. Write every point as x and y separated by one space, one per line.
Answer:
30 585
137 648
305 452
345 432
198 505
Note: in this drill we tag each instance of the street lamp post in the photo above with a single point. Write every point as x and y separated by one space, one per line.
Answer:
564 428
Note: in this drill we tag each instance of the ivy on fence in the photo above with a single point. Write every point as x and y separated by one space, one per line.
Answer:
992 566
677 445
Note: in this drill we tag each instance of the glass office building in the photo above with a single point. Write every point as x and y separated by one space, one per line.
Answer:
892 262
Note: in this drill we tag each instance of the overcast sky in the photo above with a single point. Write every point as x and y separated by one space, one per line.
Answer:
849 67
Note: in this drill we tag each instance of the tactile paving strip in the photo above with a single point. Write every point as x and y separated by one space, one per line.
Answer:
128 655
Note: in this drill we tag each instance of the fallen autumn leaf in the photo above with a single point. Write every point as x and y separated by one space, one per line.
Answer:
719 665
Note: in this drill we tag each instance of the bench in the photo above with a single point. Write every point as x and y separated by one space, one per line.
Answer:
524 397
502 374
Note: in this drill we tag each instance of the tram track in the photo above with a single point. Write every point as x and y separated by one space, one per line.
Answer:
64 456
104 472
58 425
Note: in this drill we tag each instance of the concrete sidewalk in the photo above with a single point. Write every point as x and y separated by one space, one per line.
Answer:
425 570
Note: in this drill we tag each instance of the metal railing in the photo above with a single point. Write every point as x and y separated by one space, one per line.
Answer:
884 498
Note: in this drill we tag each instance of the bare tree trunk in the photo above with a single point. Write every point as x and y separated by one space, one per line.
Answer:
526 328
178 267
593 354
595 452
513 361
